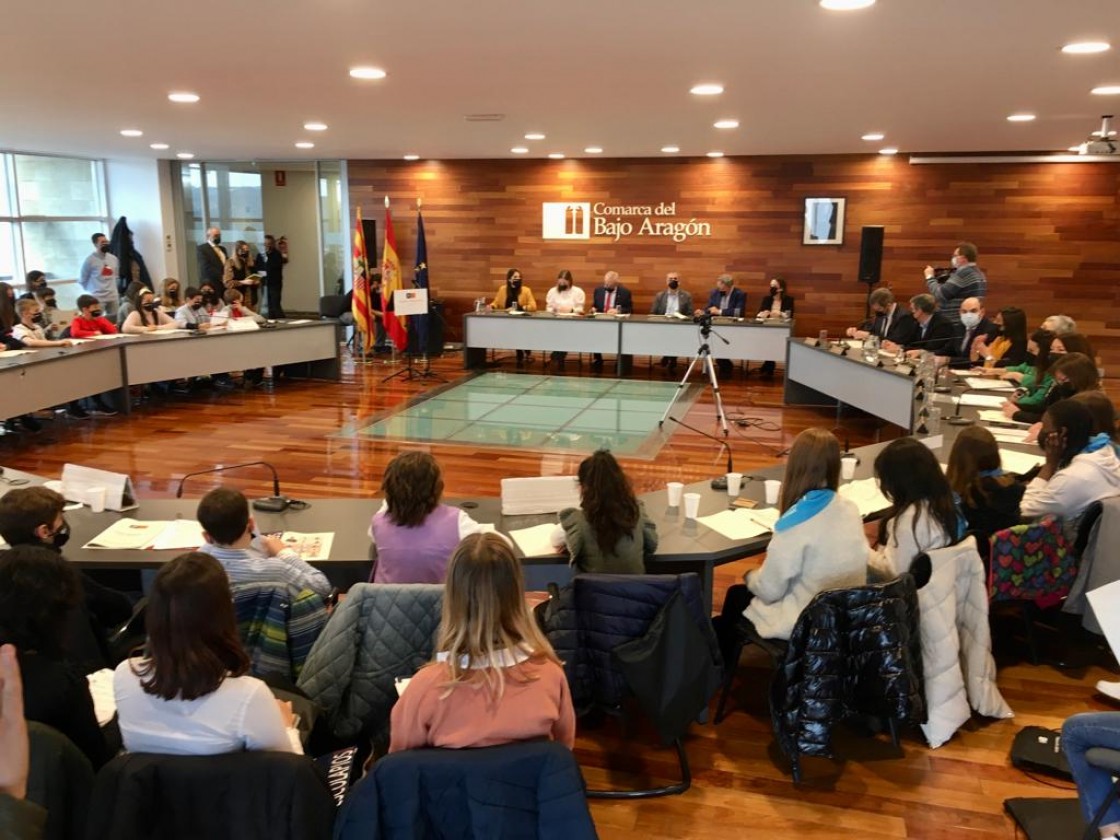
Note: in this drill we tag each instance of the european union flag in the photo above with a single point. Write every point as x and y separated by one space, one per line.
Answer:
420 281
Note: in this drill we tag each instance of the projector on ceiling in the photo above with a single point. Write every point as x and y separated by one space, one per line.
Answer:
1101 142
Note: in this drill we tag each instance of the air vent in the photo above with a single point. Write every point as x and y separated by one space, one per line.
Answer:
485 117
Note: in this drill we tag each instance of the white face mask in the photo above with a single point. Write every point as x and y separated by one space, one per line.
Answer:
970 319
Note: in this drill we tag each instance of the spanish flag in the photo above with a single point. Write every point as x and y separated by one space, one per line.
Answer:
390 282
359 306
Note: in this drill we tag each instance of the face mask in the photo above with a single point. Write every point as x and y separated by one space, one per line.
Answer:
563 287
515 285
773 288
95 313
209 297
674 284
151 307
50 303
970 319
196 306
217 240
103 247
62 536
243 254
40 319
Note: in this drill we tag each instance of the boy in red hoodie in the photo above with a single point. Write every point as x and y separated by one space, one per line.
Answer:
86 324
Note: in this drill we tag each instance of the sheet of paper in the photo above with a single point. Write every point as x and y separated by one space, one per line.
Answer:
101 690
735 524
989 416
1009 435
866 495
310 547
7 354
767 517
299 321
535 541
128 535
983 400
107 337
1019 462
979 383
1105 601
180 535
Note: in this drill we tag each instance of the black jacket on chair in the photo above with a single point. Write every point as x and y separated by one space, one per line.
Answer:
244 795
59 780
852 652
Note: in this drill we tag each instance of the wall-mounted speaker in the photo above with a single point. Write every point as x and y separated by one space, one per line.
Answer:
871 254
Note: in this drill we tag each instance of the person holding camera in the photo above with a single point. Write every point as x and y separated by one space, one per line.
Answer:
963 279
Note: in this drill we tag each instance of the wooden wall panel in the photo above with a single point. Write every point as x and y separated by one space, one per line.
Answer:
1048 234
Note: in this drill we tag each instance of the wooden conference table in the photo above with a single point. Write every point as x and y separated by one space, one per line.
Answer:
629 335
55 376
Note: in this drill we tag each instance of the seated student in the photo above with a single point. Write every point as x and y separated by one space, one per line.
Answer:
248 557
38 591
986 495
922 515
609 532
31 330
889 321
414 533
1103 412
19 819
1008 346
130 301
192 314
88 323
236 307
1081 468
33 516
818 543
211 298
146 316
1072 373
170 298
190 693
495 679
1033 375
1081 733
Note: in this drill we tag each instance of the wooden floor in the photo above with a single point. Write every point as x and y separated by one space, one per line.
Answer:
740 787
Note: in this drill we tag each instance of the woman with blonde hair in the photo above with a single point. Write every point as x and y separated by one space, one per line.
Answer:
495 678
170 295
238 271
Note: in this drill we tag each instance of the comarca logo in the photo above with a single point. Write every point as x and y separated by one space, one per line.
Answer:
566 220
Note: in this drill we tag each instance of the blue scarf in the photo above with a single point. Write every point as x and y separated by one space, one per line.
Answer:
996 473
804 509
1097 441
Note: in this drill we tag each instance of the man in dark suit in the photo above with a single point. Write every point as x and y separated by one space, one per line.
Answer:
935 331
726 300
270 263
612 298
212 259
889 322
975 325
672 300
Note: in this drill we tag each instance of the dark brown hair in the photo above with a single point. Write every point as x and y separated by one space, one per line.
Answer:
974 451
968 251
1076 342
224 515
814 464
1100 407
192 631
1042 359
1079 369
7 308
608 502
24 509
413 487
38 590
910 476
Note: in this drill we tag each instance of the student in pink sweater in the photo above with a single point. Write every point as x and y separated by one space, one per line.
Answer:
496 678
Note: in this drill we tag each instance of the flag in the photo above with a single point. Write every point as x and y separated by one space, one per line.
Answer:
420 281
390 282
359 305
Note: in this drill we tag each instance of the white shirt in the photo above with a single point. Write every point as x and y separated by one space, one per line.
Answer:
672 303
24 332
1088 478
569 300
241 714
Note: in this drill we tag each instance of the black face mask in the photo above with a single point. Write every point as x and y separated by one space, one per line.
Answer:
217 240
515 285
103 247
151 307
562 287
50 303
209 297
243 254
40 319
60 537
674 284
95 313
196 306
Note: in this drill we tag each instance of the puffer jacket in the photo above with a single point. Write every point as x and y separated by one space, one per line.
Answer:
853 651
959 670
378 633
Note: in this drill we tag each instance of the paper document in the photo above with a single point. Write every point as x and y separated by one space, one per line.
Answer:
735 524
298 321
101 690
1010 435
983 400
128 535
104 337
978 383
1019 462
5 354
866 495
180 535
1105 601
310 547
997 417
535 541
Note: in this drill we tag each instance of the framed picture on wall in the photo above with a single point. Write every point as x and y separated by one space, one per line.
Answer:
824 221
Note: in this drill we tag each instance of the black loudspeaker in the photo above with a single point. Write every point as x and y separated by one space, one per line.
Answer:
871 254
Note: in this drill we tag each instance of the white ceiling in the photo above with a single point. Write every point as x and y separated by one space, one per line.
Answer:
934 75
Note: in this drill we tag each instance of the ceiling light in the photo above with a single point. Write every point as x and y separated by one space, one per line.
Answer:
1086 47
556 156
314 126
534 135
706 89
519 150
159 146
890 150
1021 118
305 144
670 150
132 132
412 157
185 155
846 5
183 97
874 135
726 124
367 73
715 154
594 150
1106 90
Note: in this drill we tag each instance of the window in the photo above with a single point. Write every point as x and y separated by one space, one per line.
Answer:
59 248
50 186
8 256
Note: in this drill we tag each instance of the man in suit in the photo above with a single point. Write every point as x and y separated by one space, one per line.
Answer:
975 325
212 259
935 331
672 300
271 263
612 298
726 300
889 322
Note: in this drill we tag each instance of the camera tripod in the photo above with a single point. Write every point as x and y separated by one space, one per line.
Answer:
703 357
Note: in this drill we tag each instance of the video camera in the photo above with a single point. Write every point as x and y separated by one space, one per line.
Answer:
704 321
942 274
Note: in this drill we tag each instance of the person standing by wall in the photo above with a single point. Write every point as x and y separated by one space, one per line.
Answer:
100 274
271 264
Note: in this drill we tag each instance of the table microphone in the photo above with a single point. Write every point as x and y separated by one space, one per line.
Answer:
269 504
956 419
720 481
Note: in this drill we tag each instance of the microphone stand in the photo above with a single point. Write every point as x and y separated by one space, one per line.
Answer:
275 503
719 482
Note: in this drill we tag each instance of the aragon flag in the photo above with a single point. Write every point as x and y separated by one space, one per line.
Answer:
360 305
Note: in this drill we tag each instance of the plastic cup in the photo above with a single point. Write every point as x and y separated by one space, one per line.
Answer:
674 489
773 490
822 338
848 468
691 505
95 498
734 483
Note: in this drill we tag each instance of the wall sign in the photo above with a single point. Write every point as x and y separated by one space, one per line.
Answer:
584 220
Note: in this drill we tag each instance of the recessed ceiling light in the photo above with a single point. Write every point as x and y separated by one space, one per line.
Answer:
534 135
715 154
556 155
185 155
159 146
874 135
1086 47
706 89
314 126
890 150
846 5
670 150
367 73
131 132
594 150
1021 118
183 97
726 124
412 157
1106 90
519 150
305 144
